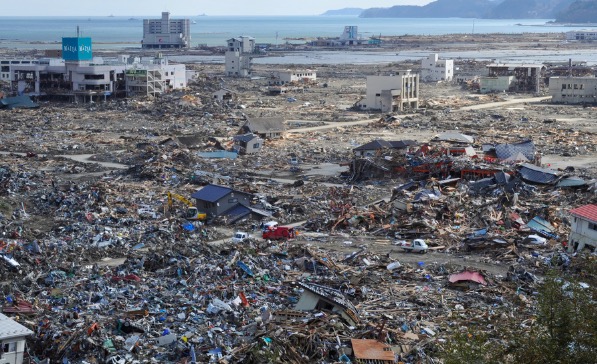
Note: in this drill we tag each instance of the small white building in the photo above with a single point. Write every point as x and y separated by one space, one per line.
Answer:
584 228
12 340
166 32
582 35
573 90
238 56
391 93
287 76
434 69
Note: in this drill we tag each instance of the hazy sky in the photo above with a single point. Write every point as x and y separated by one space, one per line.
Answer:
187 7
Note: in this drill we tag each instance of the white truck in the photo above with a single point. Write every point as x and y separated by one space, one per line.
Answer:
240 236
417 246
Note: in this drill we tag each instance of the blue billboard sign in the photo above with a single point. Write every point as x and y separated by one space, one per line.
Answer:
76 49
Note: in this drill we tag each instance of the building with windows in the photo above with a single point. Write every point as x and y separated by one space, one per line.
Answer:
434 69
5 64
582 35
80 76
12 340
583 232
166 32
514 77
284 77
391 93
238 55
573 90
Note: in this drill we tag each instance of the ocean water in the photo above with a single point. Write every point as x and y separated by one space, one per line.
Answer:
122 32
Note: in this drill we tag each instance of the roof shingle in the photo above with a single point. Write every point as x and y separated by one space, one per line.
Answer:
588 212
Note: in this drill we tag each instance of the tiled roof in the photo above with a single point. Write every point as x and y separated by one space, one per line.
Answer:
245 137
211 193
588 212
367 349
11 329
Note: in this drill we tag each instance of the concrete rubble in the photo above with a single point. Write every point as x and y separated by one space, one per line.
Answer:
98 266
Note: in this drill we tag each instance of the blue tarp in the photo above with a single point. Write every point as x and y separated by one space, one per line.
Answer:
218 154
542 226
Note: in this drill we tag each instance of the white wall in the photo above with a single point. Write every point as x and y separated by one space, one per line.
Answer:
12 357
582 232
573 90
435 69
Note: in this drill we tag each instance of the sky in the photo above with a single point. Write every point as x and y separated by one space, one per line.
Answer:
187 7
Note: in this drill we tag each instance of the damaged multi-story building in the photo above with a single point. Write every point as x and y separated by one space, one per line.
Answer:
391 93
513 77
79 76
434 69
239 52
573 90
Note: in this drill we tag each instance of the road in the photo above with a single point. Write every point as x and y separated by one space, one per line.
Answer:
491 105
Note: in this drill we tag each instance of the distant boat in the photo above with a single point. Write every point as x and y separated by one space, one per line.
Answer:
202 14
193 22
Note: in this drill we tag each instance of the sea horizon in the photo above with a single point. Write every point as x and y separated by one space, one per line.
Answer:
107 32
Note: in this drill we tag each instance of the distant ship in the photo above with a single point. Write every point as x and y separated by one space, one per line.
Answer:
193 22
202 14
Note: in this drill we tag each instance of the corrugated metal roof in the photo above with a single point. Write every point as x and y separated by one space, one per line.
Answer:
505 151
536 174
11 329
368 349
588 212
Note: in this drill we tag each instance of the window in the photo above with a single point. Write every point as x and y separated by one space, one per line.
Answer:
9 347
593 226
256 145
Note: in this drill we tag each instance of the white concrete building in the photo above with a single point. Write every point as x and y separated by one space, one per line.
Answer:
582 35
434 69
166 32
5 64
12 340
573 90
153 77
583 231
292 76
391 93
97 79
238 56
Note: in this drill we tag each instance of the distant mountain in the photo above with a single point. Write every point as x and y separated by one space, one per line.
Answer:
564 10
582 11
345 11
436 9
528 9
